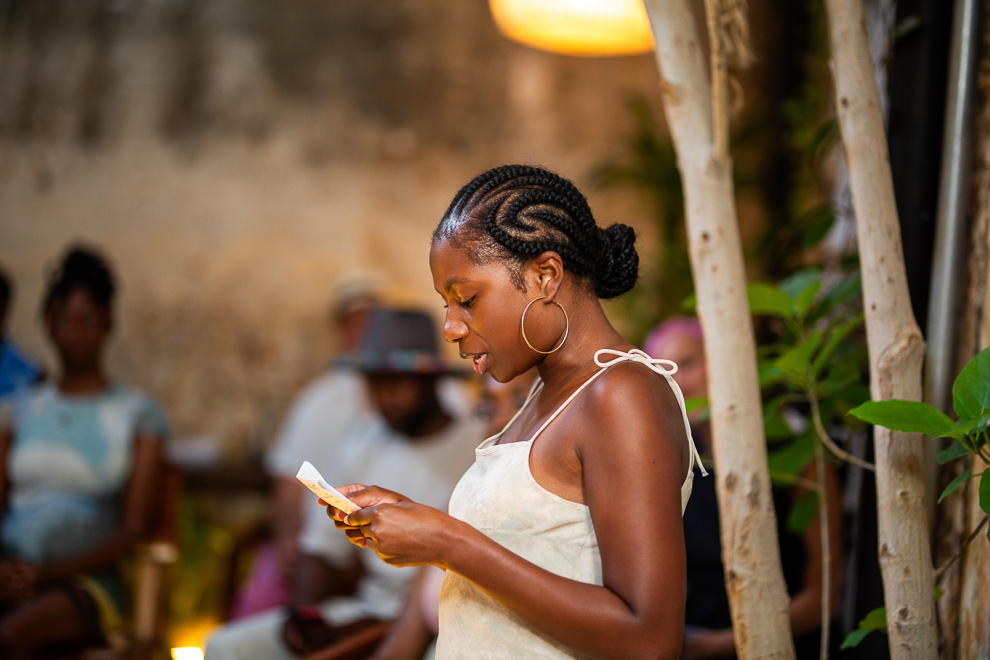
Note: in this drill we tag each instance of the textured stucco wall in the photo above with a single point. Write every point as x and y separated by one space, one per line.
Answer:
236 157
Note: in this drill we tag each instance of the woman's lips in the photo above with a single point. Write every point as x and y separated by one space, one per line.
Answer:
480 363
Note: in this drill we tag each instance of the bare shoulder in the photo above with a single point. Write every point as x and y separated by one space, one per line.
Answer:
637 410
632 385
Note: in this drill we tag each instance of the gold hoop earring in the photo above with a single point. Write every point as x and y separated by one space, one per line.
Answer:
567 327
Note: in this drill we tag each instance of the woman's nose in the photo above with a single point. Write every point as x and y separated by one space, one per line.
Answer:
453 329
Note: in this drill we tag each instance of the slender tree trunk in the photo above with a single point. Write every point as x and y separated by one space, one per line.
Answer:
894 340
750 552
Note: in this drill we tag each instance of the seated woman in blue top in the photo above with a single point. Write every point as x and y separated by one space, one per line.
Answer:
79 458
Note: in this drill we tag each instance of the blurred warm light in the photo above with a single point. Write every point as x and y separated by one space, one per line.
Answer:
591 28
187 639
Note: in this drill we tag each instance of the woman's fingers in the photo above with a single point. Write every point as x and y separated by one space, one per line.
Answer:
361 516
356 536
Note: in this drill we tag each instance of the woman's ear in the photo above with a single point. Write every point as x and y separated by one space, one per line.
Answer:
549 269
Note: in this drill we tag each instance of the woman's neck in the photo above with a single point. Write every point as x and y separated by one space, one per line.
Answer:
590 331
82 380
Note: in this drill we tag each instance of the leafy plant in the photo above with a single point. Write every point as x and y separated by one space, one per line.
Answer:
811 362
971 403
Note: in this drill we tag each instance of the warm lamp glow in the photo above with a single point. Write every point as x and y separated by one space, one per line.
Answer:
187 653
591 28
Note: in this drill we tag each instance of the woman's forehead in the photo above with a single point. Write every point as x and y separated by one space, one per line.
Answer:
451 262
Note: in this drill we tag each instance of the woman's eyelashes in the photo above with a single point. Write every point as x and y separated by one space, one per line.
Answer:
461 303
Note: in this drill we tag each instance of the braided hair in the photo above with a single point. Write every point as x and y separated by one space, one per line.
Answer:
81 268
514 213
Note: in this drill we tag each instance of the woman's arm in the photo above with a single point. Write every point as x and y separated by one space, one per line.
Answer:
139 501
630 440
16 578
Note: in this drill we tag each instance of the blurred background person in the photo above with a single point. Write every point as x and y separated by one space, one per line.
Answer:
324 410
709 625
16 368
413 635
407 438
79 460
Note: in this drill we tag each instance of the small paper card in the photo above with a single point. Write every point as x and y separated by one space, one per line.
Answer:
312 479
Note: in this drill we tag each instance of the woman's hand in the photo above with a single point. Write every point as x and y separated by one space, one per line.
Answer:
400 531
362 496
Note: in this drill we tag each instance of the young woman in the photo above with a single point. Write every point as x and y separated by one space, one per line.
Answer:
79 457
564 539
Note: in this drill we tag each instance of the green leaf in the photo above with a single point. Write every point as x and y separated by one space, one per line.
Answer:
956 483
853 639
982 436
803 512
806 298
875 619
852 395
834 340
801 281
693 403
795 362
822 219
775 427
794 457
985 494
939 591
971 391
966 428
690 304
769 374
766 299
906 416
951 453
846 290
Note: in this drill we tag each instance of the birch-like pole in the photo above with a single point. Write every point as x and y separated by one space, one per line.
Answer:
750 551
896 346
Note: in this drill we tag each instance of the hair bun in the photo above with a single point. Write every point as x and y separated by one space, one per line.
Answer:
618 265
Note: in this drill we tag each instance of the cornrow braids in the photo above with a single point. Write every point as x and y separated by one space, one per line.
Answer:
514 213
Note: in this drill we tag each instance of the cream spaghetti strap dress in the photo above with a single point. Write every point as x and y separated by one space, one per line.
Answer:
499 496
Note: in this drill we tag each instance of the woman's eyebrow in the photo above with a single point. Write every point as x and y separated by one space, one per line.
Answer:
453 281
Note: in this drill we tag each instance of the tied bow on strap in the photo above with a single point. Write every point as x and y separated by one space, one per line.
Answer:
660 365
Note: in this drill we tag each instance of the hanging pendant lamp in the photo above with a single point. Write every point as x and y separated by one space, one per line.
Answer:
590 28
